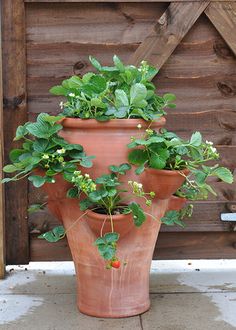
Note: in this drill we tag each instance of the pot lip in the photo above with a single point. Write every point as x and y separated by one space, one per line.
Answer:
99 216
186 171
112 123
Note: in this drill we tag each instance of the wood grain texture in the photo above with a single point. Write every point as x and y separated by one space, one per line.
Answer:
216 245
223 16
2 208
14 99
168 32
118 1
201 71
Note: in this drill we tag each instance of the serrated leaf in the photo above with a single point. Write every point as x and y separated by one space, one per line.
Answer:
111 237
138 157
138 92
118 63
196 139
85 204
54 235
138 214
224 174
121 98
95 63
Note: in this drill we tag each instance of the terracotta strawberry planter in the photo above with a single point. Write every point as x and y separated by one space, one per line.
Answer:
163 182
101 292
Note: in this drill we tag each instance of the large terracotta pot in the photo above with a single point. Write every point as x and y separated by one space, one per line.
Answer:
163 182
101 292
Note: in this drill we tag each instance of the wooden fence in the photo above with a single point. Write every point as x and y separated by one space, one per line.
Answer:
193 43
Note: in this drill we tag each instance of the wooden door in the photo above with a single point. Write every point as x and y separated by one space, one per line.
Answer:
193 46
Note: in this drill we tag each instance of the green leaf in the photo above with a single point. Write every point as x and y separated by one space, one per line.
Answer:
169 97
21 132
85 204
121 112
54 235
138 92
111 237
72 192
223 174
37 180
121 98
87 161
140 169
98 83
172 218
196 139
138 157
97 195
95 63
15 154
58 90
152 71
119 65
10 168
40 145
112 192
43 130
107 251
138 214
122 169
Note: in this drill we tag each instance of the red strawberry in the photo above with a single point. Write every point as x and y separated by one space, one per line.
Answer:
115 264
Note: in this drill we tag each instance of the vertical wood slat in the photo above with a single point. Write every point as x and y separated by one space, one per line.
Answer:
2 228
223 17
14 114
168 32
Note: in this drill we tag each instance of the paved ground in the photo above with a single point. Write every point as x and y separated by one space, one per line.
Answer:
185 295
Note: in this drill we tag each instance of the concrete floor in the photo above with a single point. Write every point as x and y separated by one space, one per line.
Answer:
185 295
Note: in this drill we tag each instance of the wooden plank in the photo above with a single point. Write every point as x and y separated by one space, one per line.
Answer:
106 23
168 32
196 246
223 16
118 1
2 219
201 245
14 93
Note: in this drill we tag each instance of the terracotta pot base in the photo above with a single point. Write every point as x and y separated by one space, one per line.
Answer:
116 313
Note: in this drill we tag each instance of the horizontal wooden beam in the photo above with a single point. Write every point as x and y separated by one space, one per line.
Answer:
223 16
114 1
201 245
167 33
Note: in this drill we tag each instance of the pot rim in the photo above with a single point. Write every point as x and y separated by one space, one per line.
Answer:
186 171
112 123
99 216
